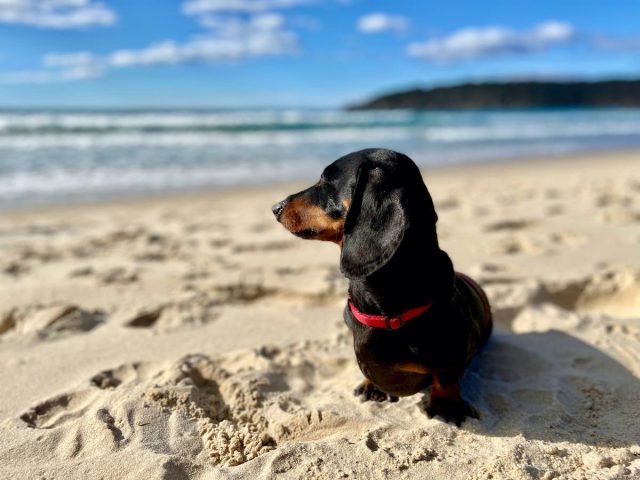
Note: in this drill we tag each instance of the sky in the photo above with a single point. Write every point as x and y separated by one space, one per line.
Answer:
297 53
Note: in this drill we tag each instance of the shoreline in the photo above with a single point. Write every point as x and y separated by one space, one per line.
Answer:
130 198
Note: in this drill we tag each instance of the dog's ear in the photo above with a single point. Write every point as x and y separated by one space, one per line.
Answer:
376 222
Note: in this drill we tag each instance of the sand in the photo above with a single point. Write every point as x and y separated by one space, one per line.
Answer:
193 337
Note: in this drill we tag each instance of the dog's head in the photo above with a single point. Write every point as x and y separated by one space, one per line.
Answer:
368 202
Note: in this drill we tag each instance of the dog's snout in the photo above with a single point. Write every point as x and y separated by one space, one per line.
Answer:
278 208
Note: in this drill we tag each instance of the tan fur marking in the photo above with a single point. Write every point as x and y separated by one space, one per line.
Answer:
300 215
411 367
450 391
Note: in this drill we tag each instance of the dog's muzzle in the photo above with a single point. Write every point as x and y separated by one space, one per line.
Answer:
278 208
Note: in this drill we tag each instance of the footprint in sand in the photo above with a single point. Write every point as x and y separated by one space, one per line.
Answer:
264 247
517 195
16 268
617 214
450 203
216 243
205 227
98 245
123 374
262 227
197 307
40 254
57 410
493 273
78 424
175 315
553 193
85 271
145 318
518 245
543 243
571 239
609 199
108 276
228 410
118 275
510 225
555 209
49 322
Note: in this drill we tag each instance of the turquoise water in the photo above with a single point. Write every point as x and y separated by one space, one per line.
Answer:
70 156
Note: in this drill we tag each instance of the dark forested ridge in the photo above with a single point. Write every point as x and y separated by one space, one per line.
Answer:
623 93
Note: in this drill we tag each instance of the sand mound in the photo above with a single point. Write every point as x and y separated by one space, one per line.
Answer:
613 292
223 411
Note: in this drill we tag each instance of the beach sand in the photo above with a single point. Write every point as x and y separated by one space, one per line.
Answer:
193 337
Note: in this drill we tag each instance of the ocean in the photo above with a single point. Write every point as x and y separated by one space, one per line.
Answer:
72 156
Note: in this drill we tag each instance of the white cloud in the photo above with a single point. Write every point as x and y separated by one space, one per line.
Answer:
305 22
78 59
71 74
231 25
235 30
381 22
58 68
229 39
553 31
471 43
198 7
607 42
56 14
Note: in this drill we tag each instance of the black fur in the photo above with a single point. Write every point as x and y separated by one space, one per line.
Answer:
391 256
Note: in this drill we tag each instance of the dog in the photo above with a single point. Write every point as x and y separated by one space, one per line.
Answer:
415 321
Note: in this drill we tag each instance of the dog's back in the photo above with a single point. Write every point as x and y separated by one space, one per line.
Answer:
477 303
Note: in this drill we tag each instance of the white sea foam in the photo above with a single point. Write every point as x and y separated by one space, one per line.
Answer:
179 120
52 155
198 139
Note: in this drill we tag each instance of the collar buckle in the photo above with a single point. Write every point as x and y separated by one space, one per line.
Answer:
394 323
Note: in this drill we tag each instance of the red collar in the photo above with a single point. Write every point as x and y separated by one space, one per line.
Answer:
382 321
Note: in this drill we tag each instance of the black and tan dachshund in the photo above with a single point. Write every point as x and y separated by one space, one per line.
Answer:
415 322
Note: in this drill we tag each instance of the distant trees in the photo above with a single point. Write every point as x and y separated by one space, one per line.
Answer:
623 93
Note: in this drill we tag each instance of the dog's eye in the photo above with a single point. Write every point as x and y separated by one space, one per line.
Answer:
335 213
334 210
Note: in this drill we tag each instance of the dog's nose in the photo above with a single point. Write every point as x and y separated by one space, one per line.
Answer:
278 208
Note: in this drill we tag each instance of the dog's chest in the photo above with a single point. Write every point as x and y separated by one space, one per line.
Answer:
383 365
382 348
383 355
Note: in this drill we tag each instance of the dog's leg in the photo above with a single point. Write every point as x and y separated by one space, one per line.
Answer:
446 400
368 391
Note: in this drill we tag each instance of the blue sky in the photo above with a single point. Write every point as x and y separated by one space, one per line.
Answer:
244 53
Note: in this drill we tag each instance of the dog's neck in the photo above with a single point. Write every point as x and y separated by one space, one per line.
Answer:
413 277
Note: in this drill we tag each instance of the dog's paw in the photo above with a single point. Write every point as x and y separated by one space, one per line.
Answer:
452 410
368 391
